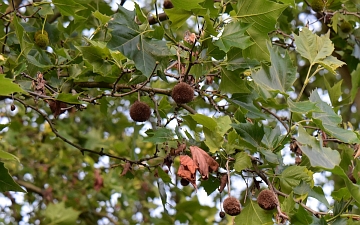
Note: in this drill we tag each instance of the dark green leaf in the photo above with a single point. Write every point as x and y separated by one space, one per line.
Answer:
211 184
6 181
251 133
127 38
232 82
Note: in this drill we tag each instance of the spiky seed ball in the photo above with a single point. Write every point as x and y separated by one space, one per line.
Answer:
182 93
317 5
42 40
222 214
346 27
232 206
168 4
267 199
184 182
41 32
140 111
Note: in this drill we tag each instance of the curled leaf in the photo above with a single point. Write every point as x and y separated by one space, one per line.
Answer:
205 162
187 169
127 167
223 181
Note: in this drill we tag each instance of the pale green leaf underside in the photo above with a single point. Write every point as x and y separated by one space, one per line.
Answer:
318 155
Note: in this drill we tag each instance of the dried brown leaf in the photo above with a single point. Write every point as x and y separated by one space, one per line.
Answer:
205 162
57 107
39 84
187 169
357 151
189 37
126 169
223 181
99 182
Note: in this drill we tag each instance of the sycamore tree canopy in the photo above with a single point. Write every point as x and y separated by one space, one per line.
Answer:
94 132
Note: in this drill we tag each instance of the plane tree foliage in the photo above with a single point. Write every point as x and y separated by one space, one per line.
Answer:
276 106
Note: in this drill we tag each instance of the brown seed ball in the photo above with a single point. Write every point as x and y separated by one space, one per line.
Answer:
184 182
182 93
168 4
232 206
12 107
222 214
267 199
140 111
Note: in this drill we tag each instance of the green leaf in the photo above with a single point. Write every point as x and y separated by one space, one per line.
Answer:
213 139
280 76
233 36
223 124
251 133
57 214
313 47
159 135
252 214
206 121
318 155
187 4
8 156
68 98
164 176
329 120
101 17
6 181
246 101
354 189
301 217
177 16
69 8
8 87
288 205
127 39
318 193
302 107
98 57
232 82
271 137
262 14
235 60
342 193
331 63
355 82
232 143
242 161
210 185
327 116
269 156
293 175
